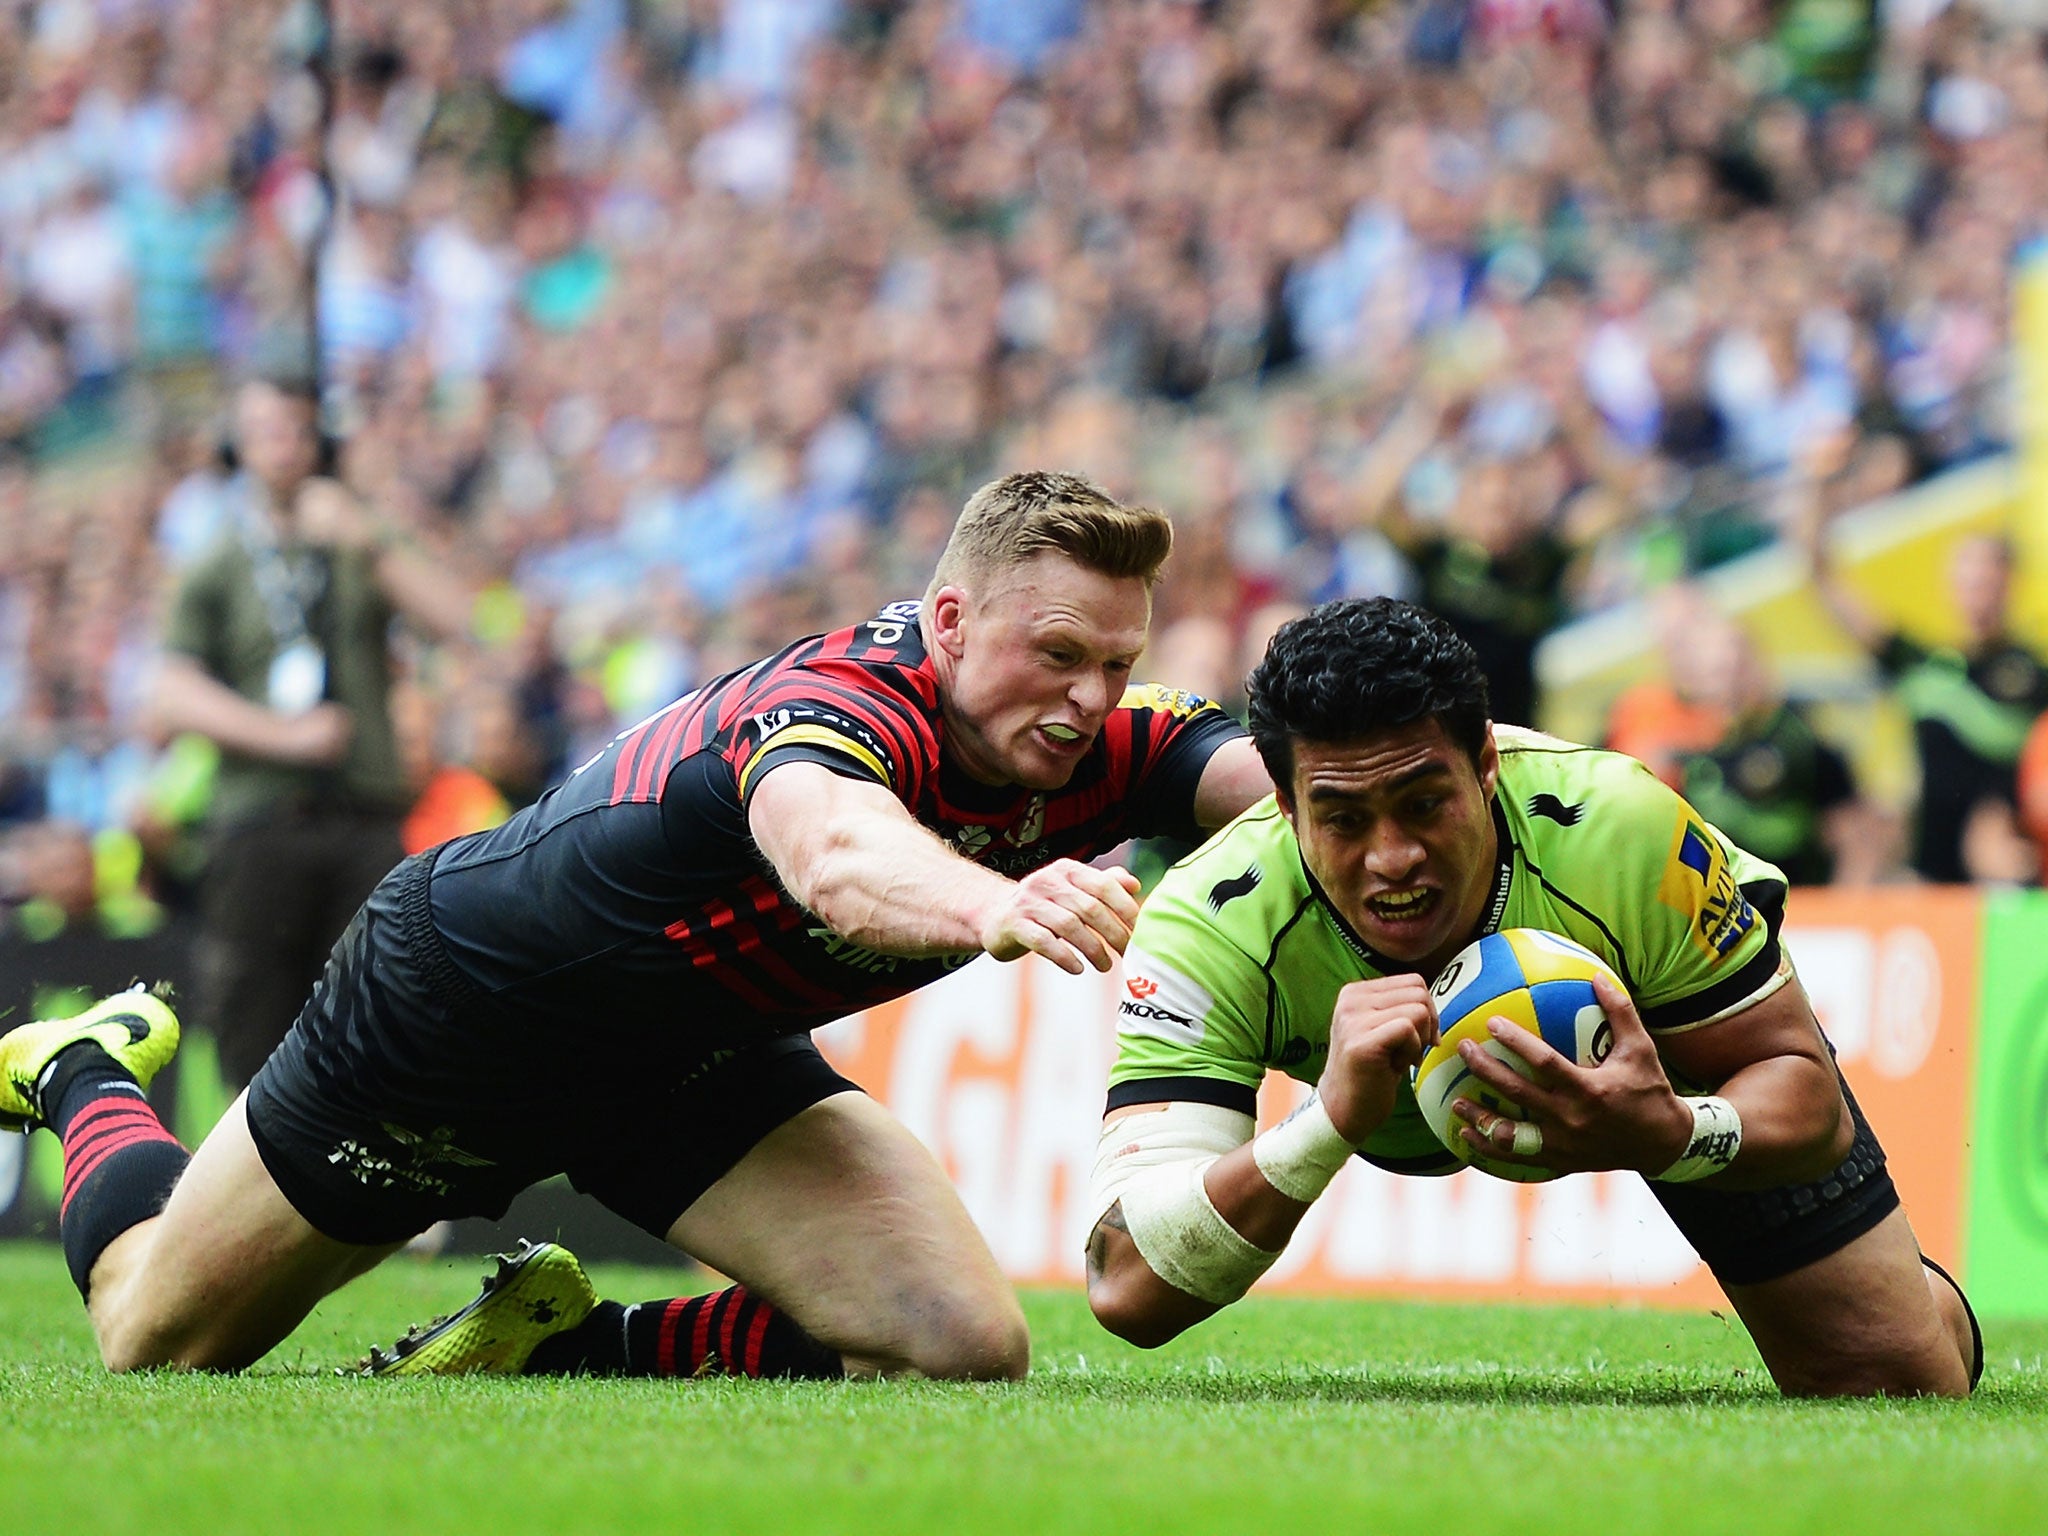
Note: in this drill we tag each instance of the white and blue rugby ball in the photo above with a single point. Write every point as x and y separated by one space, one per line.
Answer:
1544 982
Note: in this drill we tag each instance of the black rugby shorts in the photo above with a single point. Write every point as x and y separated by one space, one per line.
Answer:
1749 1236
398 1099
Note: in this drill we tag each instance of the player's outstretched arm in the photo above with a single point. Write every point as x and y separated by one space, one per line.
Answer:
1790 1124
848 851
1234 781
1198 1208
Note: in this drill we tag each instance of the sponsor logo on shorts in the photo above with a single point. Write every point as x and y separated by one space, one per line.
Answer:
406 1166
1159 1002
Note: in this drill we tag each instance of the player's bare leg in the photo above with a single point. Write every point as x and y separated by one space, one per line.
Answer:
852 1256
843 1220
1870 1318
224 1274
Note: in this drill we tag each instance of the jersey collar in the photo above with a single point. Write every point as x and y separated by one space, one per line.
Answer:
1489 919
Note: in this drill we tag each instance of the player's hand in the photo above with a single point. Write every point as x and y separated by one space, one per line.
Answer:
1622 1113
1379 1031
317 738
1072 913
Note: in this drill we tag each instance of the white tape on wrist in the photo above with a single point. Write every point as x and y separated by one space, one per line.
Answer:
1716 1138
1301 1154
1181 1234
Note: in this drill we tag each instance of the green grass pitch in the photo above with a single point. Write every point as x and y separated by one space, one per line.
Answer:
1317 1416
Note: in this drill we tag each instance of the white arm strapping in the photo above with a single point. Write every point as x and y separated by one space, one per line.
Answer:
1179 1132
1154 1162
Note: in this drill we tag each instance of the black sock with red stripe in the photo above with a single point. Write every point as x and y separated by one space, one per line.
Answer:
119 1161
726 1333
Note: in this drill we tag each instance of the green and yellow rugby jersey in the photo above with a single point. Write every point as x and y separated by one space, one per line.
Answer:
1237 959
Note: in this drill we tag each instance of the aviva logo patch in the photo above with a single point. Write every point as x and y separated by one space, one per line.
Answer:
1698 883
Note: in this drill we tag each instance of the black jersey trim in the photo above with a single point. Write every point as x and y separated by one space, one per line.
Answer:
1170 766
1177 1090
1768 897
1266 968
845 764
1620 954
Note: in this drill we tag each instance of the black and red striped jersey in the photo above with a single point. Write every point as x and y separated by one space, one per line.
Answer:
633 891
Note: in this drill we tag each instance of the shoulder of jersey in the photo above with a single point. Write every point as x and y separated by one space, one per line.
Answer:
1249 870
1548 784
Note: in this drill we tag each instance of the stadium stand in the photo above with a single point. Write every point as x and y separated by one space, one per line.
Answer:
684 325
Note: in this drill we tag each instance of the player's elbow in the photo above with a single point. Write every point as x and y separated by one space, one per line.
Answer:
1127 1306
1826 1130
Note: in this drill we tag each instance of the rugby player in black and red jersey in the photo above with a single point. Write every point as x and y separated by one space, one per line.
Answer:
619 984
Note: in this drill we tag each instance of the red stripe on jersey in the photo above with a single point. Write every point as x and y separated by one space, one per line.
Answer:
705 958
646 784
748 941
622 770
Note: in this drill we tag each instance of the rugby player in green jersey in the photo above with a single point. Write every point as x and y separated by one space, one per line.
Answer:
1303 938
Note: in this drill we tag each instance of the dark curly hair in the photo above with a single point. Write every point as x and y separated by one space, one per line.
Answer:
1348 670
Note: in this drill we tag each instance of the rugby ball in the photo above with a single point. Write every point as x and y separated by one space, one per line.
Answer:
1542 981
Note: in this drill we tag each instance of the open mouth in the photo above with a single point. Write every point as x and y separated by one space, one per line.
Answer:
1398 908
1062 738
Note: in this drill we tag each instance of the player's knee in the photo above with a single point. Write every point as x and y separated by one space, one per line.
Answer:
1937 1372
1122 1310
130 1340
988 1342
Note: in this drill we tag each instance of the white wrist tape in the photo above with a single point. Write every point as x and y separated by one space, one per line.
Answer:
1301 1154
1181 1234
1716 1138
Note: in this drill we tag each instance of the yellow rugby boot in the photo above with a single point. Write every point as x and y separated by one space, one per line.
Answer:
136 1028
537 1291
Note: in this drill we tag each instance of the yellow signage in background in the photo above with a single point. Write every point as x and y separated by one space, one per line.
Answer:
2030 407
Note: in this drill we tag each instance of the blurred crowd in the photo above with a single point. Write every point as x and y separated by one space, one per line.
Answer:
681 327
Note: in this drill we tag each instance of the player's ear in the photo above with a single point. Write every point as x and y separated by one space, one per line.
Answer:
1489 762
949 619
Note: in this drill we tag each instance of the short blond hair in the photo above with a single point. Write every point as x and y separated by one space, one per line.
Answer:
1012 520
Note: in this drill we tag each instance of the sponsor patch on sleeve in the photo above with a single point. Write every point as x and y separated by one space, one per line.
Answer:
810 725
1159 1002
1698 883
1160 699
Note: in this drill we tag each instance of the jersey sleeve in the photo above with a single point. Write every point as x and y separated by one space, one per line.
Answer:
190 626
1696 917
1162 739
1190 1016
860 721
